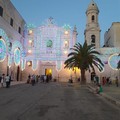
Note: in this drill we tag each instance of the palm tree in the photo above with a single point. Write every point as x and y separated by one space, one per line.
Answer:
85 58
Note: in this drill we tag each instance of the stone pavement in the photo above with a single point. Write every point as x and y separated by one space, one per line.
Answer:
111 93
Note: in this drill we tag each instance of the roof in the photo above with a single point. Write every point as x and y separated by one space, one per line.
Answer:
92 6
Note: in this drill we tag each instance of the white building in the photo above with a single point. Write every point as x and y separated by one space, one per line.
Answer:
112 36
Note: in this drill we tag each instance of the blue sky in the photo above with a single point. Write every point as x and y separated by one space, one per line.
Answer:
69 12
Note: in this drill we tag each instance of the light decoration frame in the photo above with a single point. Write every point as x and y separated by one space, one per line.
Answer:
17 56
34 65
3 50
113 60
23 64
66 27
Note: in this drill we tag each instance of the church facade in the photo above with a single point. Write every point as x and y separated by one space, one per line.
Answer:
47 48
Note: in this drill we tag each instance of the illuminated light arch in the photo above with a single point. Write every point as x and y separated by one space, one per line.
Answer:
4 37
113 60
17 56
16 45
2 50
34 64
4 44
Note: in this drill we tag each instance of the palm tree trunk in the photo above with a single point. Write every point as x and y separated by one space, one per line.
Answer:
83 78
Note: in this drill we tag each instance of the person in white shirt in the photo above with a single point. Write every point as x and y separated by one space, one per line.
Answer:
7 81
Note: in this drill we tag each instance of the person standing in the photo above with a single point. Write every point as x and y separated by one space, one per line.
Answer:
7 81
3 80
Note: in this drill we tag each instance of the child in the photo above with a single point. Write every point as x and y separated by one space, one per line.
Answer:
99 89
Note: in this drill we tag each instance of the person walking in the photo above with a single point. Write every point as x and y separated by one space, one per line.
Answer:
116 81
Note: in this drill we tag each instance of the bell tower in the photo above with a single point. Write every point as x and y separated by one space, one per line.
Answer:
92 31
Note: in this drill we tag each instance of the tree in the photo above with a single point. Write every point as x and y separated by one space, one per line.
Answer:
85 58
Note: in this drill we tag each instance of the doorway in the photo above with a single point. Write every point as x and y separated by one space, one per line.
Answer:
18 72
48 73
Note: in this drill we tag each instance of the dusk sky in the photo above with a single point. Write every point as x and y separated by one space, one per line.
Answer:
70 12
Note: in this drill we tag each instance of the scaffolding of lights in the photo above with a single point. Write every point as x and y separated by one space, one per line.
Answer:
49 41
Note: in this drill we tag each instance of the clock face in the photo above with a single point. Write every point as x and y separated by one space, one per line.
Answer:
17 56
2 50
113 61
49 43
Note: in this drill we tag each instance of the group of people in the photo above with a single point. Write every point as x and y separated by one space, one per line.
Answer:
32 79
108 81
104 81
5 80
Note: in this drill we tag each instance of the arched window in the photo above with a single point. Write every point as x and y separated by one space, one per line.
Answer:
1 11
93 39
93 18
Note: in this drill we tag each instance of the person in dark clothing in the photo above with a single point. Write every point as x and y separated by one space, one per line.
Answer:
116 81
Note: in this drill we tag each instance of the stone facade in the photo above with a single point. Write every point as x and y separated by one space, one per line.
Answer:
92 31
112 36
12 34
